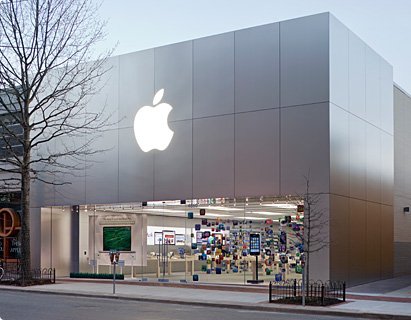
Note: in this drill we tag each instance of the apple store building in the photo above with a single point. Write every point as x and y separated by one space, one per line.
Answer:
226 150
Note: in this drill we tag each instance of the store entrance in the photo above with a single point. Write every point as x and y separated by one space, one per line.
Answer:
216 240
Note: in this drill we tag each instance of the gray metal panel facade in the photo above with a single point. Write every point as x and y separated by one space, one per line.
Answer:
257 73
402 181
254 111
361 159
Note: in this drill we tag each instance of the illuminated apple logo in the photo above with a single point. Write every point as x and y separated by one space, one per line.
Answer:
151 126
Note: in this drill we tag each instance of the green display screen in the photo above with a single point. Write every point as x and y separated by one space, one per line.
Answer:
117 238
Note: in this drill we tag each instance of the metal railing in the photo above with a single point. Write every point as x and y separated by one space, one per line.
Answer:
36 276
318 292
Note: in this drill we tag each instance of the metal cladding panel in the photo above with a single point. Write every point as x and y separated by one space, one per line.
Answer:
358 158
372 87
357 96
174 73
387 241
71 186
136 84
257 153
213 75
339 151
213 157
173 166
102 170
373 244
339 244
373 166
386 97
339 64
305 148
357 240
387 168
257 64
320 267
304 60
136 169
107 100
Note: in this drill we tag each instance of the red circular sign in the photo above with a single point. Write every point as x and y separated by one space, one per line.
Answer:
9 222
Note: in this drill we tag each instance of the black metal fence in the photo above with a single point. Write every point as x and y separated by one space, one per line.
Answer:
36 276
318 292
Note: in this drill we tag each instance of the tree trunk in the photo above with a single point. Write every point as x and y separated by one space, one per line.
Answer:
25 208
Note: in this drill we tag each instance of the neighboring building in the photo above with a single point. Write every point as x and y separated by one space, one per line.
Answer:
254 111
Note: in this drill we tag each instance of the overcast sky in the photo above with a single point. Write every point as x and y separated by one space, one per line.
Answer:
136 24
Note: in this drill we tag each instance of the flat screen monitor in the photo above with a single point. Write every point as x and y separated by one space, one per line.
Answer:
117 238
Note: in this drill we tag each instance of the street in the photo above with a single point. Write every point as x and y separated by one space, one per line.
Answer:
35 306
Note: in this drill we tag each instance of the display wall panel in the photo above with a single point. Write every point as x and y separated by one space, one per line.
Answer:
373 166
386 97
136 169
339 151
257 156
357 75
257 81
305 148
174 74
372 87
358 158
136 84
387 242
357 241
213 157
213 75
339 63
304 60
174 165
102 170
373 231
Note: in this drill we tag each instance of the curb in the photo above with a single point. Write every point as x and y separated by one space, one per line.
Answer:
250 307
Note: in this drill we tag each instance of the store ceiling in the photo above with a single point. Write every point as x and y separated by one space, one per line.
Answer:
244 208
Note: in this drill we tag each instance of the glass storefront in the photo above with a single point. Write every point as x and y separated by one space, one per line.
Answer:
218 240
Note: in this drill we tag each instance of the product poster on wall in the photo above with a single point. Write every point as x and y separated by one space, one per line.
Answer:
158 237
169 237
180 239
199 237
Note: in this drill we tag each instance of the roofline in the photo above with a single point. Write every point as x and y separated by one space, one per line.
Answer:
396 85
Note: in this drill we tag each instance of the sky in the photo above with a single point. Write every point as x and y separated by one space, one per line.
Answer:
385 25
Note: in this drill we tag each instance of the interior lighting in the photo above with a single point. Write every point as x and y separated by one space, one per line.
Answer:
280 205
217 215
250 218
267 213
164 210
220 208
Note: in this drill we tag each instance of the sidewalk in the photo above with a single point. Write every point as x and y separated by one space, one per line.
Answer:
389 304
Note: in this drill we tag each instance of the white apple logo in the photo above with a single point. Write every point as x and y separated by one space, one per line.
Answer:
151 126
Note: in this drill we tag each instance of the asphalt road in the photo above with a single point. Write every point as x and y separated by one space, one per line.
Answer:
35 306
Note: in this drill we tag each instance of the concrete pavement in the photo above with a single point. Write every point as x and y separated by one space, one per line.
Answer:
393 302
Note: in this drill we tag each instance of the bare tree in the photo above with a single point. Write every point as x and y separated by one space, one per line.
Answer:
315 238
48 72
